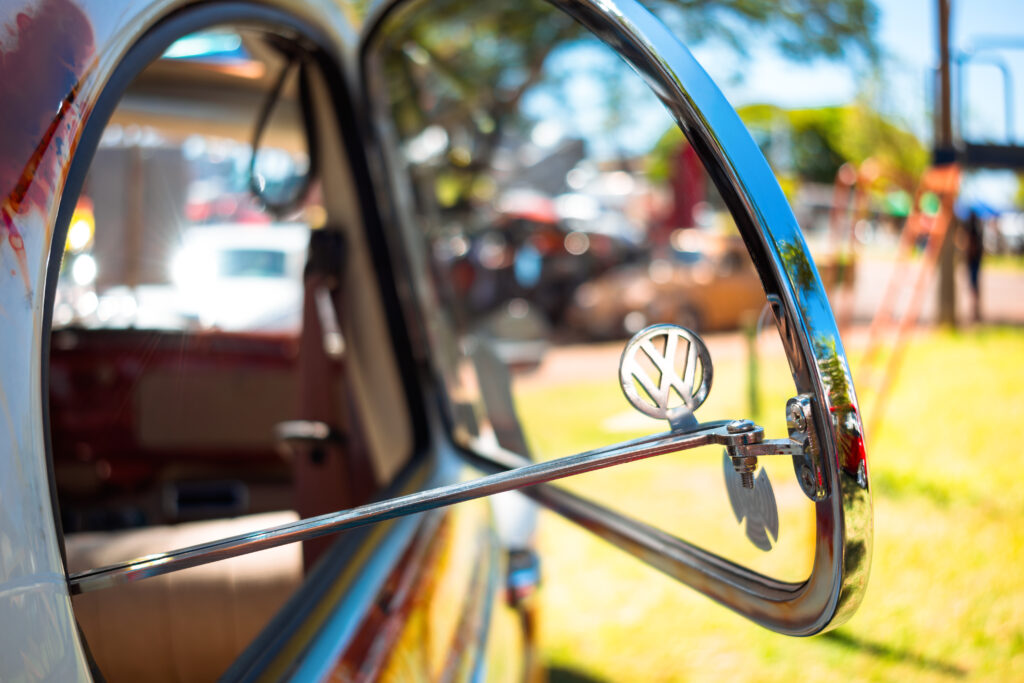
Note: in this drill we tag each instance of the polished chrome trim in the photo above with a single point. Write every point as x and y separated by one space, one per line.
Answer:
321 617
332 637
818 361
305 529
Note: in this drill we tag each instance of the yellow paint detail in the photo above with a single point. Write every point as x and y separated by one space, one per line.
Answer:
454 574
314 623
428 636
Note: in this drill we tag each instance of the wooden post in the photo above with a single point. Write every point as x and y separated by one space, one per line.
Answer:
944 143
753 383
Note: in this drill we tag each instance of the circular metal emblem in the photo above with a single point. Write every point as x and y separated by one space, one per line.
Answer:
665 372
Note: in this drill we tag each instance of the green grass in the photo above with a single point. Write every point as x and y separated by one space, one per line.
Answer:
1013 263
946 595
1004 262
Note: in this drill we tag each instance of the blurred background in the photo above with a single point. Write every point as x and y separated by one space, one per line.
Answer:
847 100
560 210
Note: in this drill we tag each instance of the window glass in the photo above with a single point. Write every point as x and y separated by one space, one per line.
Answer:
554 209
167 231
177 290
189 347
251 263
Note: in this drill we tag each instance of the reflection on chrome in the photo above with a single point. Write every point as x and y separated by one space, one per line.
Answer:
747 184
305 529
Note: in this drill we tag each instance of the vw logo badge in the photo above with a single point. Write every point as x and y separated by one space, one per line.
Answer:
665 372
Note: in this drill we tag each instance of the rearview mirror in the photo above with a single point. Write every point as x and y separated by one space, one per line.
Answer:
280 177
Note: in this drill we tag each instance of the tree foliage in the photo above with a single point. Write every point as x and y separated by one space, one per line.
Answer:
800 29
466 66
824 138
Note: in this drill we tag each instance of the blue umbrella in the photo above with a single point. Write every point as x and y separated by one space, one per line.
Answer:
983 210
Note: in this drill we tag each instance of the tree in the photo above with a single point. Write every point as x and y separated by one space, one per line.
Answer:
818 141
466 66
824 138
801 29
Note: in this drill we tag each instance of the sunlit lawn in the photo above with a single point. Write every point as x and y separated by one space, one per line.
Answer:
946 595
1006 262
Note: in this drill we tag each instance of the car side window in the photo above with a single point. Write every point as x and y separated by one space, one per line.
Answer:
197 344
559 211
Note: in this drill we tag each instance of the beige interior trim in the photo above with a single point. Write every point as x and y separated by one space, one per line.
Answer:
188 625
372 367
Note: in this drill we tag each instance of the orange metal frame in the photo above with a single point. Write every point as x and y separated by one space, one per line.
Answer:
943 181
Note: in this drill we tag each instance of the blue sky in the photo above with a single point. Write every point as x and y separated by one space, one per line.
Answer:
907 34
908 37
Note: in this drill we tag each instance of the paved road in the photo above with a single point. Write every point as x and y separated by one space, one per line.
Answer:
1002 302
1002 292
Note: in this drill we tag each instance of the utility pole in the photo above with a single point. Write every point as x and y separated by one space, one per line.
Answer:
944 153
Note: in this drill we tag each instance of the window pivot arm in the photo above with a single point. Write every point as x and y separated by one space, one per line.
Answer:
718 433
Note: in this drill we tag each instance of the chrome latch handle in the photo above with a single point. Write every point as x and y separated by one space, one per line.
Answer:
802 444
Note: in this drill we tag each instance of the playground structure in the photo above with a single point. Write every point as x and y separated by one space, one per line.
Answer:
903 300
850 205
953 155
926 226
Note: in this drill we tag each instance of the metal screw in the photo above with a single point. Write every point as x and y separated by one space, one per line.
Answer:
797 420
745 467
807 477
740 426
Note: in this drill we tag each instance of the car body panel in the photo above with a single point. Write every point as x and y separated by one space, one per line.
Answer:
38 640
56 56
56 59
83 43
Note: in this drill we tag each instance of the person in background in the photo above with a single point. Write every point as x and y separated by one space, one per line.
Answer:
973 251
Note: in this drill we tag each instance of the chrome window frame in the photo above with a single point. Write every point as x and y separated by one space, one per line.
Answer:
424 467
843 527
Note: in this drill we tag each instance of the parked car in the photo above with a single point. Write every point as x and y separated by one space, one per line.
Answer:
709 285
173 497
241 277
538 259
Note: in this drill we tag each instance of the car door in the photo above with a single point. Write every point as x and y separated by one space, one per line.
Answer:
115 389
371 599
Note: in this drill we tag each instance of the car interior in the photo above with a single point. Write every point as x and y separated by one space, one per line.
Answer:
176 417
222 356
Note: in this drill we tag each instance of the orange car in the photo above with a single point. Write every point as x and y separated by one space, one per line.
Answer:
710 284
